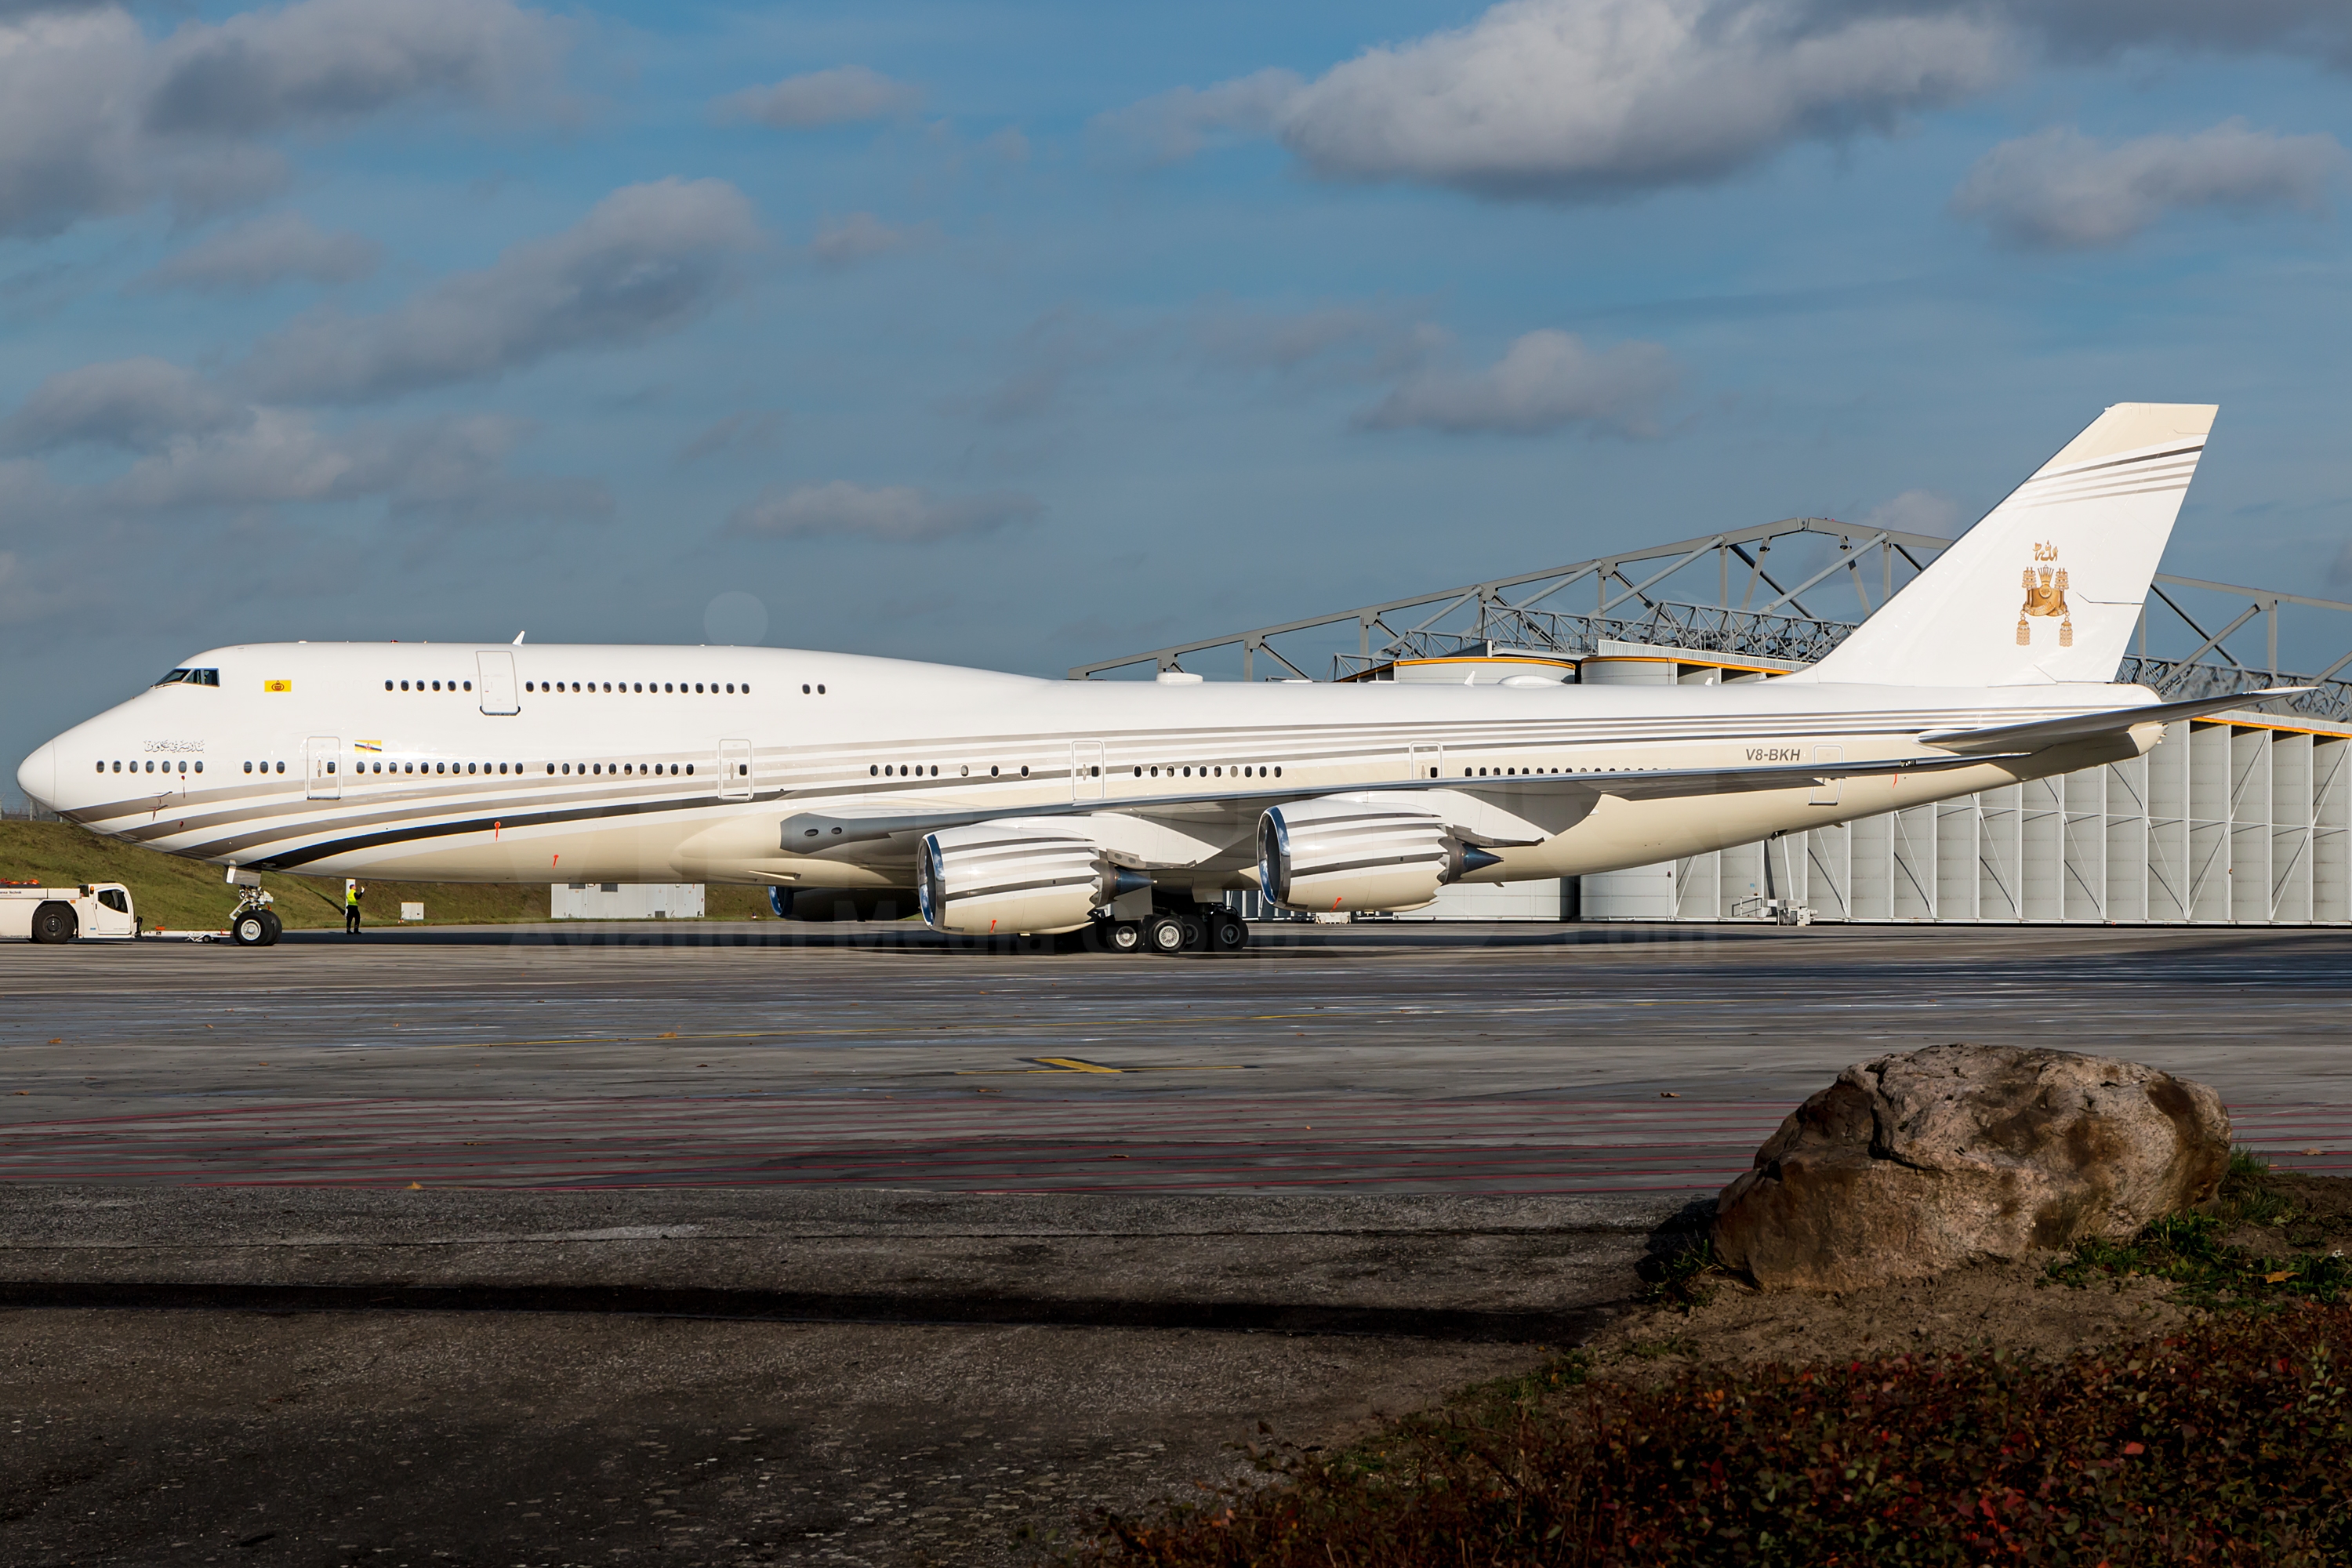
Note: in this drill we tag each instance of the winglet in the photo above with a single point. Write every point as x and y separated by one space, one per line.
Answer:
518 642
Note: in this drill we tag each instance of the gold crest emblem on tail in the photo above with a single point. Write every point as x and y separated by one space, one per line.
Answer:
2045 594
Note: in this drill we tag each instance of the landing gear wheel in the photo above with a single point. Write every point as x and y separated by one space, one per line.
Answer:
250 930
272 928
54 922
1228 932
1196 935
1167 934
1123 936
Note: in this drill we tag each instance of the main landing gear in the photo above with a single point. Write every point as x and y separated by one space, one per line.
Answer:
1177 929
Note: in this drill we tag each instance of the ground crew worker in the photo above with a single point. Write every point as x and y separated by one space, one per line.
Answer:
352 894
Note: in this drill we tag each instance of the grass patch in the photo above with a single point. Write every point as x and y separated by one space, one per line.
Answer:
1684 1278
2222 1445
2189 1250
190 895
2247 1195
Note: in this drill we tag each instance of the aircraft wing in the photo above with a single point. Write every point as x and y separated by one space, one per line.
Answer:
812 832
2034 736
1665 783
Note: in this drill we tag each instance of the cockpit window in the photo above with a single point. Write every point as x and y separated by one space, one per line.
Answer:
190 677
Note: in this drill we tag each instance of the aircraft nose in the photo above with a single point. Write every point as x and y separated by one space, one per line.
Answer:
37 775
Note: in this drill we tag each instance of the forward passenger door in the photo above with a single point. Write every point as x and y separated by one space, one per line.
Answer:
734 769
320 754
495 681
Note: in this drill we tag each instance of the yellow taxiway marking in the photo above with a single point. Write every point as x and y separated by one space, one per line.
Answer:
902 1030
906 1030
1075 1064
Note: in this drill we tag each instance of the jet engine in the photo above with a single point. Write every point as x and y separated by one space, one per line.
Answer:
1016 874
1359 852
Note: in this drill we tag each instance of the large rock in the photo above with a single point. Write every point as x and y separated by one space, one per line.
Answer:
1912 1164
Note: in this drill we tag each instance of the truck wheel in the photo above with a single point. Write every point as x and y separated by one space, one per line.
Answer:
248 930
55 923
276 927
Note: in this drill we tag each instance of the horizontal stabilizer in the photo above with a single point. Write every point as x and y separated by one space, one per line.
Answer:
2034 736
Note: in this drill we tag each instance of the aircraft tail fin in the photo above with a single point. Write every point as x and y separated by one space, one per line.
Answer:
2047 585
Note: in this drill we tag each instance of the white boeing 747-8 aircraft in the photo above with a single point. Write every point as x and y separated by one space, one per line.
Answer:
1013 805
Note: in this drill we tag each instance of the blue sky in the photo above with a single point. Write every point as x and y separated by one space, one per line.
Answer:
1020 335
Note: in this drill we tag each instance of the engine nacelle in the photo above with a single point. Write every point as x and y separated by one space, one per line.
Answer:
1016 874
1359 852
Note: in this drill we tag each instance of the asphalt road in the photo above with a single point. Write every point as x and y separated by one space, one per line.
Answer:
719 1244
1393 1059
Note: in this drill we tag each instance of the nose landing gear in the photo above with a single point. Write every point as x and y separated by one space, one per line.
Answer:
254 923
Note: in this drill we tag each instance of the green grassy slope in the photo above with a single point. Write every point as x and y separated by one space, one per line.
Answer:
189 894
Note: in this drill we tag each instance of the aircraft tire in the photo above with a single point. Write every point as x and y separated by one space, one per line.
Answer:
275 927
247 930
55 923
1167 934
1228 932
1123 936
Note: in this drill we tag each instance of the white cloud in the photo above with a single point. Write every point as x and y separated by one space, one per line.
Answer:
1174 125
96 117
1546 381
2060 190
133 405
266 251
2098 29
195 451
1566 98
841 96
860 237
647 259
896 513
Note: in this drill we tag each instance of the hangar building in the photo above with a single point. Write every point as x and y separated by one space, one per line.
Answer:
2242 818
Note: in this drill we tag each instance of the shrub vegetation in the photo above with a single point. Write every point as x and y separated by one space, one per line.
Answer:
2228 1443
2223 1444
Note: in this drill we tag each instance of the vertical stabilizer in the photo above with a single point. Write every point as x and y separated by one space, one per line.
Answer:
2048 585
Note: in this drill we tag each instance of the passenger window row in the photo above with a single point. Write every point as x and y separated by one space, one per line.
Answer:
1505 772
437 686
1214 771
733 688
626 770
166 767
903 770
